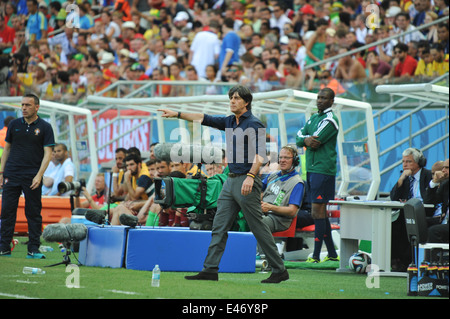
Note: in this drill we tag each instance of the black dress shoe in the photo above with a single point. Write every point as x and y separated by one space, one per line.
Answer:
276 278
204 276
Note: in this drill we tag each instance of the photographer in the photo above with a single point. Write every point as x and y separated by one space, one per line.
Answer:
97 200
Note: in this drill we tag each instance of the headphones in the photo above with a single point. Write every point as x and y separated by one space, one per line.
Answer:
422 162
296 159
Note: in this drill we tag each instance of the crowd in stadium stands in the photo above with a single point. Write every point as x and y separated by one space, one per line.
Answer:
63 50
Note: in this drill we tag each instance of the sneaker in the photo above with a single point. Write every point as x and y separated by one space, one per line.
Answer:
328 258
5 253
204 276
36 255
276 278
312 260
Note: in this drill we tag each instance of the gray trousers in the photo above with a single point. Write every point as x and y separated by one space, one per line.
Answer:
230 202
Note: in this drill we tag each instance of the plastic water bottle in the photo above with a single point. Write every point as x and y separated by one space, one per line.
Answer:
44 249
156 275
33 271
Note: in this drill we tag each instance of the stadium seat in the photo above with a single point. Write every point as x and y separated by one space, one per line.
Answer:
290 232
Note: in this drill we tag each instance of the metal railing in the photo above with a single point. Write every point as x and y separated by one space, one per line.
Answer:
370 45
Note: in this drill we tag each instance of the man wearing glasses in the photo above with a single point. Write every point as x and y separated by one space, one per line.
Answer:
403 64
282 192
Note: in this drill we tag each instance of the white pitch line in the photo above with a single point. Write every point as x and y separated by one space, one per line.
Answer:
16 296
123 292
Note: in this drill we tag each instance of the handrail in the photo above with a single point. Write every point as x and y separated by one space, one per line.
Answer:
370 45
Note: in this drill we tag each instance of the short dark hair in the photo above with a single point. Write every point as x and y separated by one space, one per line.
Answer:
244 93
34 97
133 157
438 47
401 46
329 91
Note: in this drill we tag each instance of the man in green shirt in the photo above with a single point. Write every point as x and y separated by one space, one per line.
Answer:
319 136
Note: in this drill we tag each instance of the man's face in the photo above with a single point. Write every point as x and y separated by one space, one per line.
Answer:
29 108
399 54
402 22
445 168
174 166
60 153
443 33
163 169
438 56
409 163
99 183
237 104
324 100
152 171
285 160
133 167
120 156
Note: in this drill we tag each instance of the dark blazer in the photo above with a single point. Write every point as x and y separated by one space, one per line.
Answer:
402 193
438 195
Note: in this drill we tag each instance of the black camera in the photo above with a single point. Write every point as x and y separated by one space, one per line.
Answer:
76 186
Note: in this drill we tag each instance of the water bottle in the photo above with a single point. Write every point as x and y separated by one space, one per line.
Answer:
412 280
156 275
44 249
33 271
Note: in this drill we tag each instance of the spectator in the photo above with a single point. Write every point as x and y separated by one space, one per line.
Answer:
294 77
7 35
279 18
68 41
385 51
124 7
443 35
315 47
377 69
112 29
425 65
62 170
402 21
404 65
204 48
36 23
79 86
327 81
432 31
421 6
235 74
349 69
229 51
440 60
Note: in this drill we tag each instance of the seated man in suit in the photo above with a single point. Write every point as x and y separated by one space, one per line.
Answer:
412 183
437 194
